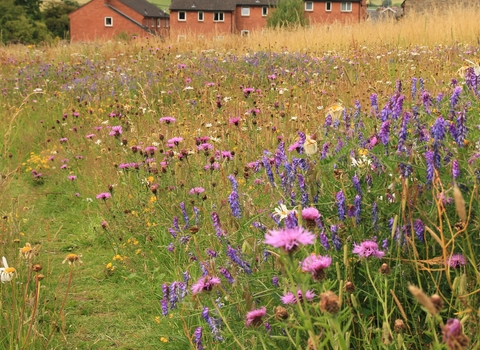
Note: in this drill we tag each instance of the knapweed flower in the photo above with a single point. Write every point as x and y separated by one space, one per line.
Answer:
329 302
457 260
367 249
115 131
205 284
290 298
453 335
167 120
197 190
254 317
104 195
175 140
73 259
289 239
72 177
310 215
6 273
316 264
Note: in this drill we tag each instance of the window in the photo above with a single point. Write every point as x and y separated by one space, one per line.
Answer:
346 7
108 21
308 5
158 23
328 6
245 11
182 16
167 22
152 21
200 16
264 11
245 33
218 17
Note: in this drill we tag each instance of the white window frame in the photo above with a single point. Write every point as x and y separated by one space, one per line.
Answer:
220 16
159 23
152 22
245 11
346 6
264 11
167 22
328 6
245 33
110 20
184 16
201 16
309 6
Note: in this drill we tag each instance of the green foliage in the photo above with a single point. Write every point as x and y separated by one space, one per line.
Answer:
31 7
386 3
17 26
288 13
55 15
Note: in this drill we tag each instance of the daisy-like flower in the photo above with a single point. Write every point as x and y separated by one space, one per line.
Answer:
27 252
289 239
457 260
73 259
367 249
335 111
316 264
310 146
6 273
282 211
205 284
254 317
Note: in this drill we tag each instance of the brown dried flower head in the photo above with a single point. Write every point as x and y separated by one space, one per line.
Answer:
281 313
385 269
437 301
349 287
399 326
73 259
329 302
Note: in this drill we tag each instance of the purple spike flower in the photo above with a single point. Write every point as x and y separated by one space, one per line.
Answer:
419 228
340 199
430 165
197 338
185 215
461 127
268 170
455 97
164 303
212 324
375 216
357 202
374 102
356 184
235 256
324 240
227 274
438 129
384 133
414 88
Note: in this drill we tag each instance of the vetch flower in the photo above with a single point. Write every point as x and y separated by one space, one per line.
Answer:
367 249
254 317
289 239
6 273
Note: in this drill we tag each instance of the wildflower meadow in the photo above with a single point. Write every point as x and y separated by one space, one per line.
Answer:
270 192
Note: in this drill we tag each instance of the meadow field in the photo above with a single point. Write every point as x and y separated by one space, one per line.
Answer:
314 188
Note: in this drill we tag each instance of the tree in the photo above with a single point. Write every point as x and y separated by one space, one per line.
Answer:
55 15
386 3
288 13
32 8
17 26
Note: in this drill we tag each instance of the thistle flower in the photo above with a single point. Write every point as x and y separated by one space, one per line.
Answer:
316 265
367 249
289 239
254 317
6 273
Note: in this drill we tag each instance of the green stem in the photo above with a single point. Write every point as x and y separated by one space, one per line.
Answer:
381 299
226 323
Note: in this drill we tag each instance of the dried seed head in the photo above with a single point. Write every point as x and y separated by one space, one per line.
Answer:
437 301
399 326
39 277
385 269
460 204
349 287
281 313
73 259
37 267
329 302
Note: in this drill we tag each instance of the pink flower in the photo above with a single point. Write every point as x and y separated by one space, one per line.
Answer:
310 214
167 120
289 239
254 317
90 136
234 120
316 264
457 260
104 195
289 299
197 190
175 140
367 249
205 283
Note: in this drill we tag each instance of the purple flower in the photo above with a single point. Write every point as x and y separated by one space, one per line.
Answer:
205 284
63 140
316 264
419 228
197 190
457 260
289 239
197 338
275 281
115 131
288 298
164 303
227 275
72 177
254 317
233 198
340 198
104 195
235 256
384 133
455 169
235 121
367 249
167 120
175 140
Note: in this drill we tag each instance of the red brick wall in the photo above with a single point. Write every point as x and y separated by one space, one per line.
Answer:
253 22
320 15
88 22
208 28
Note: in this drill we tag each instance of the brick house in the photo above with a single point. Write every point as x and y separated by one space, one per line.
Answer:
105 19
216 18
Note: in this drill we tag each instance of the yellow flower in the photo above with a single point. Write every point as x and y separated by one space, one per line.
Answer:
27 252
73 259
163 340
157 319
6 273
118 257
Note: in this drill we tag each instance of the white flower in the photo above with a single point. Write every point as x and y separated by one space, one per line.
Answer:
282 211
335 111
361 161
6 273
310 146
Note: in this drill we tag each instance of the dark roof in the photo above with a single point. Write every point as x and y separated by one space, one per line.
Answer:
144 8
203 5
257 2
